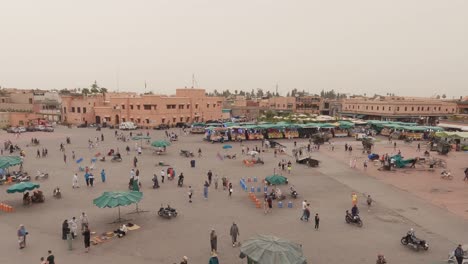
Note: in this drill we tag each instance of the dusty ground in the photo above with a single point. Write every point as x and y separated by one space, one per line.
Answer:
328 188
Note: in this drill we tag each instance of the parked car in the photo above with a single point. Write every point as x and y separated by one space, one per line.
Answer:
82 125
40 128
161 127
49 129
12 130
182 125
127 126
21 129
30 128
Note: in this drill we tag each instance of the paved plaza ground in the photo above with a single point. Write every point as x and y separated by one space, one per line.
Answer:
435 208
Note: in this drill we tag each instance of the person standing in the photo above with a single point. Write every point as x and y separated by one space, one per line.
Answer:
459 254
91 179
466 175
354 198
230 189
213 259
369 201
65 229
135 161
103 175
394 146
84 221
50 258
270 203
65 158
213 241
73 155
205 190
419 147
22 236
190 193
289 167
102 137
163 173
38 154
317 221
87 238
216 181
210 176
234 232
86 175
346 147
73 227
75 181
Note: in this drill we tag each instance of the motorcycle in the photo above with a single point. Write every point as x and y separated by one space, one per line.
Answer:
20 177
415 242
446 175
350 219
227 156
294 193
116 159
41 175
167 212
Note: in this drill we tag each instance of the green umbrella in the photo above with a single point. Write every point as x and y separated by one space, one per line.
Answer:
276 179
22 187
8 161
140 137
160 143
117 199
266 249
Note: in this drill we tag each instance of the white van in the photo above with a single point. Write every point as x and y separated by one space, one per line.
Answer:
127 126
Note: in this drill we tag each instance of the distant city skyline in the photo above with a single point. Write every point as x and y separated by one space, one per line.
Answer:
409 48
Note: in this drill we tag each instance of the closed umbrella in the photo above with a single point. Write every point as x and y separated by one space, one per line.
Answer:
117 199
227 147
267 249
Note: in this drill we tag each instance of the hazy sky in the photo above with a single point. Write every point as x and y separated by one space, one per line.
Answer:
408 47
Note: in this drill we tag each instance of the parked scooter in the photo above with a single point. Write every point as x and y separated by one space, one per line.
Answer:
350 219
167 212
446 175
411 240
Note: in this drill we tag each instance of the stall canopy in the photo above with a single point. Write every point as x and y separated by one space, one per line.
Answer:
455 135
9 161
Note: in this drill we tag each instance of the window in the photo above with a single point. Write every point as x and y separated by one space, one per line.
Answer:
123 120
214 105
372 107
123 107
147 121
367 107
78 109
398 108
207 105
131 107
173 120
188 106
84 110
439 108
181 119
181 106
73 110
163 121
147 107
30 100
418 108
138 120
383 108
138 107
171 106
428 108
377 108
64 110
196 106
389 108
412 108
406 108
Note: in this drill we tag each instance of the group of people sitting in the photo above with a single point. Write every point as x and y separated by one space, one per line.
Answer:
37 197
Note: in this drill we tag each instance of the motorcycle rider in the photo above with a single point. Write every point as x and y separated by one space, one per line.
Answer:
354 211
180 182
293 191
410 236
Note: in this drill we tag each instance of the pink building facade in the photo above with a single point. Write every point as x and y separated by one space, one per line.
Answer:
188 105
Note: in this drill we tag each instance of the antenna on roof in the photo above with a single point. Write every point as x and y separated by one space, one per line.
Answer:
194 81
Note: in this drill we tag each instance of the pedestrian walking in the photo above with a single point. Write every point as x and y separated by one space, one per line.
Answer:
394 146
270 203
216 181
102 137
205 190
84 221
214 258
199 153
73 155
73 227
350 149
369 201
22 233
75 181
65 229
365 164
419 147
190 193
65 158
210 176
87 238
213 241
230 189
466 175
317 221
91 179
346 147
135 161
459 254
50 258
234 232
103 175
86 175
304 206
38 154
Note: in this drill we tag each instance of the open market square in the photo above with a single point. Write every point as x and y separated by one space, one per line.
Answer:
402 199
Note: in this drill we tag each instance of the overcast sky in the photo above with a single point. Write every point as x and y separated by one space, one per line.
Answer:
407 47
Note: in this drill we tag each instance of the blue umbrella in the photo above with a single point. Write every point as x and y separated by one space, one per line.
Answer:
227 146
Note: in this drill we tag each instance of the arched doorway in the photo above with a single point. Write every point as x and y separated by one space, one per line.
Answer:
117 119
98 120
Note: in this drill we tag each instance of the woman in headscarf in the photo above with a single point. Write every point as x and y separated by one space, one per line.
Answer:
65 229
